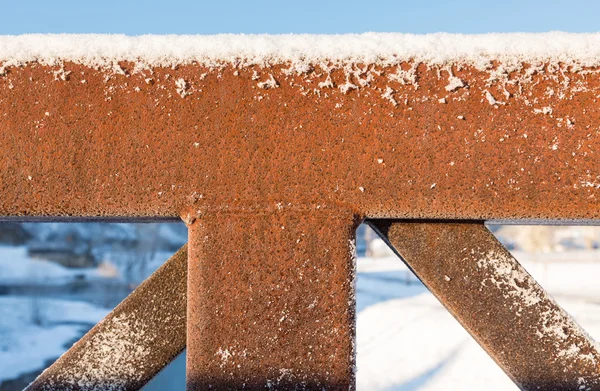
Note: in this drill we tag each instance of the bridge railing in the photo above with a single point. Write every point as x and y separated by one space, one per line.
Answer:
272 158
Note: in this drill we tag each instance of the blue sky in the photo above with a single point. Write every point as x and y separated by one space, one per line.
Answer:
307 16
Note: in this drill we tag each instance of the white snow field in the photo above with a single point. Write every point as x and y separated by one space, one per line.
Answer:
25 346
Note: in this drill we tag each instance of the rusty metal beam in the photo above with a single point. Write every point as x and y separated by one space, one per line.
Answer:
78 141
271 301
521 327
133 343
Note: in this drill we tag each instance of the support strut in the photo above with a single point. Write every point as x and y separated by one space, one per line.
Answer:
508 313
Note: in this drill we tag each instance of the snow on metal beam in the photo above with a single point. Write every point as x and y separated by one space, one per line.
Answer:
133 343
390 125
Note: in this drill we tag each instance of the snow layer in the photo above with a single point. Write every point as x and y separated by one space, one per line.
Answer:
381 48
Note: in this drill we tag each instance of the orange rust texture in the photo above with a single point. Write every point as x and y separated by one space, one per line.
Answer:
399 145
271 301
522 328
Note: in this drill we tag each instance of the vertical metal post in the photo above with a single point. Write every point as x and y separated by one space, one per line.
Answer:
271 301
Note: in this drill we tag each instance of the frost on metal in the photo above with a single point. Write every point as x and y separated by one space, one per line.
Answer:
133 343
511 279
491 116
573 347
363 58
112 359
182 87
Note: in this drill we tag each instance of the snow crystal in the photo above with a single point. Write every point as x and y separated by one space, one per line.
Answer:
590 184
405 77
328 83
543 110
182 87
572 351
225 356
270 83
389 95
370 48
454 83
61 74
507 276
347 86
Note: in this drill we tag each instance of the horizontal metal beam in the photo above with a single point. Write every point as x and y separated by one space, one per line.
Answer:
508 313
133 343
409 141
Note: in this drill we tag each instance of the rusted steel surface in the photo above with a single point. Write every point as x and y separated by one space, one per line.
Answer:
413 141
522 328
133 343
271 301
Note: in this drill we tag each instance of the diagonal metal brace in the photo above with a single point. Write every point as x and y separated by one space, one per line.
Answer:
133 343
508 313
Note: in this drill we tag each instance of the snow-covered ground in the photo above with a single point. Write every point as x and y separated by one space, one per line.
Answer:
25 346
16 268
